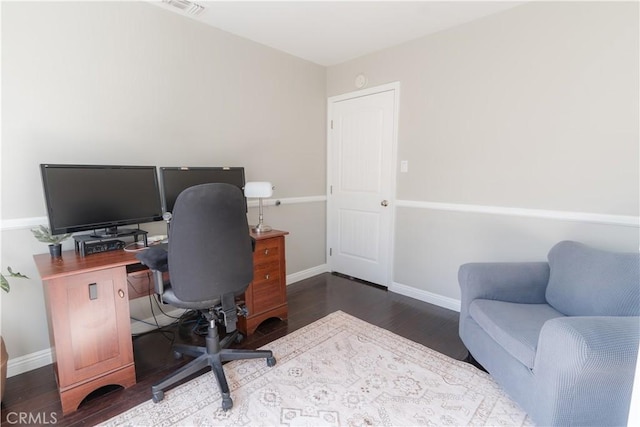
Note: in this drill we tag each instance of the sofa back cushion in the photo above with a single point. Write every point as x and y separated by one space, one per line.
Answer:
584 281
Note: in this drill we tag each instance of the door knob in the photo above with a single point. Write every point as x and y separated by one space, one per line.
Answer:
384 203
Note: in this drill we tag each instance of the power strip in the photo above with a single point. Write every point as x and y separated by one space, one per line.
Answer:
158 238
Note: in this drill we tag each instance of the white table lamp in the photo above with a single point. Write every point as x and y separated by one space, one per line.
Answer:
259 190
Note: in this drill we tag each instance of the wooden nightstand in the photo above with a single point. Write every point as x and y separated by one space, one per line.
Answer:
266 296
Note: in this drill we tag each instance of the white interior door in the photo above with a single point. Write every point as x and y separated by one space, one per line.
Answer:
361 183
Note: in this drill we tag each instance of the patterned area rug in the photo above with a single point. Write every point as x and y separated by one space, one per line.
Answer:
338 371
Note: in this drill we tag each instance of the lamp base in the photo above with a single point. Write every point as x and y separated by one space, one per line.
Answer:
261 228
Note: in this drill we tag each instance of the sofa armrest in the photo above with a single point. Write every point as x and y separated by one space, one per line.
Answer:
584 369
520 282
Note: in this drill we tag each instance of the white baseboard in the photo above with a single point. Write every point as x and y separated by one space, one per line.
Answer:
431 298
29 362
305 274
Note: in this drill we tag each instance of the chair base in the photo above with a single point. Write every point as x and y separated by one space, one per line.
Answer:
213 355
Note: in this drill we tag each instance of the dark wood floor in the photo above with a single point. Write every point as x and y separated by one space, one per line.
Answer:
34 394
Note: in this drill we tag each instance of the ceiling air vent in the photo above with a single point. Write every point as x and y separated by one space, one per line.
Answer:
188 7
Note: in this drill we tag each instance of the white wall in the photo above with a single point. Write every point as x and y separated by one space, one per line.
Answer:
131 83
521 129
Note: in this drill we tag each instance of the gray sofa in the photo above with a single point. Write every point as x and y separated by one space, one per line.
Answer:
561 337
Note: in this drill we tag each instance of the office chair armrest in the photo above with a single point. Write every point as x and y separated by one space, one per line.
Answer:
155 258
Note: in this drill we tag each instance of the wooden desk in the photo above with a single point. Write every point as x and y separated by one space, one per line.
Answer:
87 300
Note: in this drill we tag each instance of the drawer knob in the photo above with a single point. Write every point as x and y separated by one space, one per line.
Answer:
266 251
266 276
121 293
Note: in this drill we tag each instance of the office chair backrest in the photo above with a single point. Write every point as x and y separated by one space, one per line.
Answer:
210 250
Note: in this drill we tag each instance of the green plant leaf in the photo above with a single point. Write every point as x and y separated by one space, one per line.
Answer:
43 234
16 274
4 283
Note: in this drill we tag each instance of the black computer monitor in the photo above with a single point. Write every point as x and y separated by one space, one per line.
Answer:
174 180
95 197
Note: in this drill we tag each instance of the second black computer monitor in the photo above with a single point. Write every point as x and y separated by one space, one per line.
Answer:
174 180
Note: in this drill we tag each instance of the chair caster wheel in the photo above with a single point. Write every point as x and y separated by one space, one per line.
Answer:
158 396
177 355
227 403
271 361
239 338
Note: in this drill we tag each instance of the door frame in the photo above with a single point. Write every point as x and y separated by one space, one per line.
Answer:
395 88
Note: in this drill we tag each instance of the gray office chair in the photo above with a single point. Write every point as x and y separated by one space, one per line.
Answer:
210 262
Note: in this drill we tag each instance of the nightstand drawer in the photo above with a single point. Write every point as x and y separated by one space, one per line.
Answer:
266 251
266 271
267 294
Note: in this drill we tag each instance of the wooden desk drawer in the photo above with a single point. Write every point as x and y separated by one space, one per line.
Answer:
267 294
266 251
266 271
140 284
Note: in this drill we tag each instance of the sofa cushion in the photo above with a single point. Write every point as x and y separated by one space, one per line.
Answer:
590 282
513 326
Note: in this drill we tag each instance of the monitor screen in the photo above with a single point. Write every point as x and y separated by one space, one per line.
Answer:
176 179
92 197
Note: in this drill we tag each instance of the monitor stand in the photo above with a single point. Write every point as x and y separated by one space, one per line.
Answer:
106 240
115 232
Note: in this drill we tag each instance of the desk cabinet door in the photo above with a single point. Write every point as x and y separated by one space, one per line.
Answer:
90 324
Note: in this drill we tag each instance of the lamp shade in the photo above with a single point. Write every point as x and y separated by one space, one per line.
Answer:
258 189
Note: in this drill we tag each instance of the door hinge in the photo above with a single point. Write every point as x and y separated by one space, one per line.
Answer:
331 124
330 251
331 189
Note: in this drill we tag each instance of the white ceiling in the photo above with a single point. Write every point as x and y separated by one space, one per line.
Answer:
331 32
